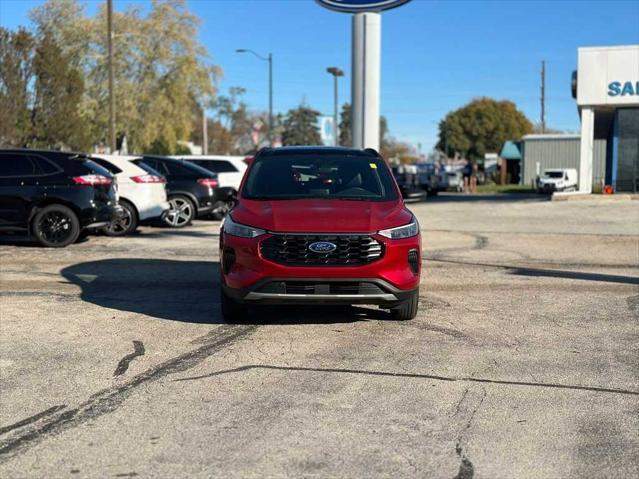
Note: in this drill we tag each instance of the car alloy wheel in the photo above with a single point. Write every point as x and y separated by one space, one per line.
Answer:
125 223
180 213
56 226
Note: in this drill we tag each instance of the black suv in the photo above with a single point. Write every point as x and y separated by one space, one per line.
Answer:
54 195
191 190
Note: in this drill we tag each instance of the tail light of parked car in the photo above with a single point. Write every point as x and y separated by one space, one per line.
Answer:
148 179
208 182
92 180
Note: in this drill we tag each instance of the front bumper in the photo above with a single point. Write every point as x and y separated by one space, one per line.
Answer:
245 271
320 291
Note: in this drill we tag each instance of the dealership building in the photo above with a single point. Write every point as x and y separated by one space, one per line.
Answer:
606 87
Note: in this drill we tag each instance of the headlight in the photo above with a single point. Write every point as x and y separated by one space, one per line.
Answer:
406 231
236 229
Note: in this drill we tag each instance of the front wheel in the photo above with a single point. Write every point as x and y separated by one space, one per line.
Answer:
56 226
126 224
181 212
407 309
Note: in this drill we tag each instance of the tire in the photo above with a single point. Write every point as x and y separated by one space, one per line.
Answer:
232 311
182 212
125 225
407 309
56 226
221 209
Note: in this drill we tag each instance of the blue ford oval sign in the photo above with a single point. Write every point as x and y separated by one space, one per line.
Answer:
357 6
322 247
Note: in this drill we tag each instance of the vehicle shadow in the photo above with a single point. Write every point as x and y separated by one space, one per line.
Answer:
320 314
24 240
186 291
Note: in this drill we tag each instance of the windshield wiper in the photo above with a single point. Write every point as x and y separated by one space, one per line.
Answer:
357 198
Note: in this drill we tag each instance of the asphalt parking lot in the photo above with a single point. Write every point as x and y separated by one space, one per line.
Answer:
522 362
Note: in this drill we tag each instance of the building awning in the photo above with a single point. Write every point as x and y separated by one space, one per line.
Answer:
511 151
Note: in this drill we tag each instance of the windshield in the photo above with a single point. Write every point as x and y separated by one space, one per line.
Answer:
554 174
321 176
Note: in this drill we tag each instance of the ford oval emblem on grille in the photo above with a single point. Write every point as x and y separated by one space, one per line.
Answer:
322 247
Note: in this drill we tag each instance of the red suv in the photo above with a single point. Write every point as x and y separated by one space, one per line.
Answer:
319 225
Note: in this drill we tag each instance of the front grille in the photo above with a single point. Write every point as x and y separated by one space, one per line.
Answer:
292 250
316 287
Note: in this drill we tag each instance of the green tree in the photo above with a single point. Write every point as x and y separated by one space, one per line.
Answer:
345 126
16 73
345 130
161 70
480 127
300 127
59 87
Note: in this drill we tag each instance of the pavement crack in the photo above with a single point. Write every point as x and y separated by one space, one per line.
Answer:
574 387
110 399
466 469
123 365
31 419
457 408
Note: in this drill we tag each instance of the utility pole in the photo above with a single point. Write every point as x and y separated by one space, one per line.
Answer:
543 96
205 133
112 144
336 72
268 59
270 99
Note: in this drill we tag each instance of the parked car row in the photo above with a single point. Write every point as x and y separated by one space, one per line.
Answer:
60 196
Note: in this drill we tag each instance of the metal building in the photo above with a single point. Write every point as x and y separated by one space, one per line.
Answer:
539 152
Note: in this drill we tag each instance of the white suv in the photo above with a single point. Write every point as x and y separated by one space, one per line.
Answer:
142 193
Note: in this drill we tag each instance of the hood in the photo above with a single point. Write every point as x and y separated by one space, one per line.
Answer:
321 216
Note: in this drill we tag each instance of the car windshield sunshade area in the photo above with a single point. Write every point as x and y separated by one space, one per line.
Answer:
327 177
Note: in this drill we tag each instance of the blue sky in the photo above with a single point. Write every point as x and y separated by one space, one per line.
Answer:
436 54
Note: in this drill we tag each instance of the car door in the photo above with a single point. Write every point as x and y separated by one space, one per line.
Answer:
19 188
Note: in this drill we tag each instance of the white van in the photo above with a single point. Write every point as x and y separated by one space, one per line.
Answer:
557 179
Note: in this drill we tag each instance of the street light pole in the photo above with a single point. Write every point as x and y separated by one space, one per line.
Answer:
112 144
336 72
268 59
270 99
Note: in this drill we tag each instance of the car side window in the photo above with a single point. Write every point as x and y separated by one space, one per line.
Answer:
154 164
16 165
44 166
175 168
105 164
